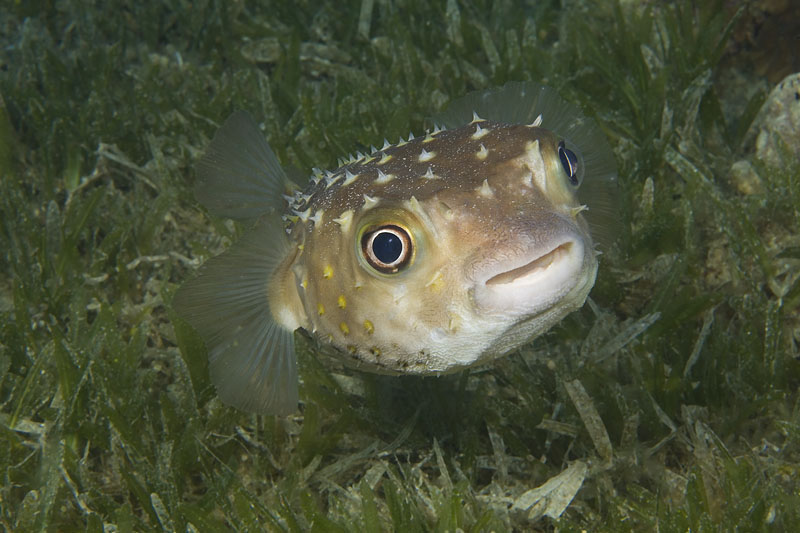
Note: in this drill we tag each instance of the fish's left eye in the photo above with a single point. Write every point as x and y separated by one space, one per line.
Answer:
387 248
570 163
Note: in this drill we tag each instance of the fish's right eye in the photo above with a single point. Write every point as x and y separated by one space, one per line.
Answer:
387 248
570 163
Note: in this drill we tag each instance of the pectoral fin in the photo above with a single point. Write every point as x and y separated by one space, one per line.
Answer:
251 356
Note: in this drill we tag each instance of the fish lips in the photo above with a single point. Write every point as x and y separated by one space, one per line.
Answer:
535 279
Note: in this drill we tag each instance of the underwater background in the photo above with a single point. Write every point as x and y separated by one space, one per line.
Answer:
669 401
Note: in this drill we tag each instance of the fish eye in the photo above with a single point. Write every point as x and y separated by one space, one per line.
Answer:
570 163
387 248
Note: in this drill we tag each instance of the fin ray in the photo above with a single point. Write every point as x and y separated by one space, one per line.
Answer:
239 175
251 356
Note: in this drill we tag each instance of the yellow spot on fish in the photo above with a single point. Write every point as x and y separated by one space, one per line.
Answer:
345 329
482 153
426 156
369 327
320 309
436 282
452 324
327 272
484 190
385 159
479 132
344 220
342 301
304 283
428 138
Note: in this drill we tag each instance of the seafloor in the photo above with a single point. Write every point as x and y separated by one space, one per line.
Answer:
668 403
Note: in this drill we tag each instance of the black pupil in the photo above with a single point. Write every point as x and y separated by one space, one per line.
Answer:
387 247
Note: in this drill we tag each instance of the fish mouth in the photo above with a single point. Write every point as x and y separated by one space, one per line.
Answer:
536 281
530 272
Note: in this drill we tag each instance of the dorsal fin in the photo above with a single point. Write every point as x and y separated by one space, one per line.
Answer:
239 175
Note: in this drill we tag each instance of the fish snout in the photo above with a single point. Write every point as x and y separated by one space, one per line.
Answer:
533 279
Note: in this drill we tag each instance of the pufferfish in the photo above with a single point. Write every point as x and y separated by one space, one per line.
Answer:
426 256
